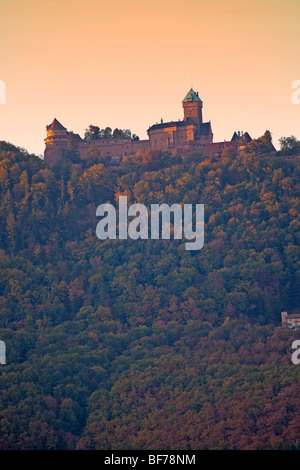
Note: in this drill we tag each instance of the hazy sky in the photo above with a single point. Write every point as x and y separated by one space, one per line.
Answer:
127 64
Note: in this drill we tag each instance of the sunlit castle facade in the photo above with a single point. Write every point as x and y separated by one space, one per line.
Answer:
182 137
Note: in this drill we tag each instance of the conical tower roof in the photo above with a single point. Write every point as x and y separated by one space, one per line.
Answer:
56 126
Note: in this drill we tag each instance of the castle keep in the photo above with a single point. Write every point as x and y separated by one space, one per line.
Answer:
176 137
183 137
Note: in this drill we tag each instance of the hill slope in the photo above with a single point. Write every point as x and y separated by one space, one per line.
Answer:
124 344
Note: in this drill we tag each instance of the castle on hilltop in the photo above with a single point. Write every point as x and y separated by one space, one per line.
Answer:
176 137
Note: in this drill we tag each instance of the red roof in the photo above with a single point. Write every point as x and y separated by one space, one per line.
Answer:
294 315
56 126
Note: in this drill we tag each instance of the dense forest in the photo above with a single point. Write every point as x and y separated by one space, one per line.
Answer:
142 344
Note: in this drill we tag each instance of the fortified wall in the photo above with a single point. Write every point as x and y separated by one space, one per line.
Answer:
183 137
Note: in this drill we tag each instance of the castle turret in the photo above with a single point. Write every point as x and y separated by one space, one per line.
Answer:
56 142
192 106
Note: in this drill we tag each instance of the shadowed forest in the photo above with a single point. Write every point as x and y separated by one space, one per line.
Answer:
124 344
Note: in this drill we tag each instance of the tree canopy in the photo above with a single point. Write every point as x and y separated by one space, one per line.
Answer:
95 133
141 344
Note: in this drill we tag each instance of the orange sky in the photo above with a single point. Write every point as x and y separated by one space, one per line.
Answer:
128 64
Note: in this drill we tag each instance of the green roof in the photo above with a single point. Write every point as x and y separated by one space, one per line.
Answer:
191 96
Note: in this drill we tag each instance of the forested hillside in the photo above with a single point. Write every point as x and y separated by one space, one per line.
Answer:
141 344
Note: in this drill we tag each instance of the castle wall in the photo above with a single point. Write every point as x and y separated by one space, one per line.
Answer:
163 139
142 145
172 138
114 149
54 152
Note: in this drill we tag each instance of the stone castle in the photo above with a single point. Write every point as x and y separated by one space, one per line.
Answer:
176 137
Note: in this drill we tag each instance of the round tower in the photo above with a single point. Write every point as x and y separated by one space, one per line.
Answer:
56 142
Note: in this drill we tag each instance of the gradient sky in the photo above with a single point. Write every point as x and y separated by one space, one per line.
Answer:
127 64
